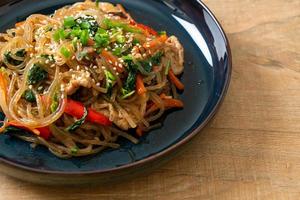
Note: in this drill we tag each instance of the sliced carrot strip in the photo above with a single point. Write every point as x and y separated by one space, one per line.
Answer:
140 87
154 43
175 80
112 60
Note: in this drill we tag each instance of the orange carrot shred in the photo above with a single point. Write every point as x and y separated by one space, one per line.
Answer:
153 43
112 59
175 80
140 87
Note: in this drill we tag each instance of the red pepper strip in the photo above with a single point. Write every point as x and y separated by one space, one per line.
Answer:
147 29
76 109
98 118
45 132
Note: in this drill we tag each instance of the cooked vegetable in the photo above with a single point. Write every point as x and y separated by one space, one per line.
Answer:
140 87
156 42
69 22
129 85
84 37
15 127
74 150
29 96
55 103
36 74
153 61
148 29
110 24
168 68
175 80
102 38
79 122
60 34
20 53
77 109
65 52
111 59
168 103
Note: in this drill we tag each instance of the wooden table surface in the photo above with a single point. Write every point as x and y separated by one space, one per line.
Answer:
251 150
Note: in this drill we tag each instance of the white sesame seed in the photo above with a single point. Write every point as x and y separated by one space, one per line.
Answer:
30 86
95 67
103 67
120 65
78 67
117 73
40 88
110 62
115 68
73 57
98 84
73 76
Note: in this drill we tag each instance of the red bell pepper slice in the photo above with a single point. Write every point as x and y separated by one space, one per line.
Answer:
76 109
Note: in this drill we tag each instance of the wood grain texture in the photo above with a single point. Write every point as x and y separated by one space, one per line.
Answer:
251 150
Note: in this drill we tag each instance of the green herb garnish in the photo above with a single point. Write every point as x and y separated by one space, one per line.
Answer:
36 74
110 24
29 96
79 122
20 53
121 39
84 37
55 103
59 34
69 22
110 79
102 38
168 68
162 33
74 150
65 52
126 93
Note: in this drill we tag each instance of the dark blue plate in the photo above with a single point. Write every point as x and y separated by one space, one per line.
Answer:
206 77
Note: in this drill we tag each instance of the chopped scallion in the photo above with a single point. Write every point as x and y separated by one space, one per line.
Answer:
69 22
65 52
84 37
